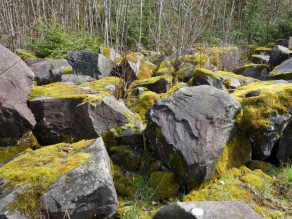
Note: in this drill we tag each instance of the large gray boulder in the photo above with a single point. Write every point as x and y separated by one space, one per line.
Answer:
257 71
279 54
283 71
85 192
49 70
15 81
207 210
92 64
54 117
189 130
107 116
230 59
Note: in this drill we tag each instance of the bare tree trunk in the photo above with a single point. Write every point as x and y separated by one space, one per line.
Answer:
141 17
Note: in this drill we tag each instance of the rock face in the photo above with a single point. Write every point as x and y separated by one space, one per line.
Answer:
84 192
256 71
108 115
260 59
230 59
73 79
207 210
15 82
91 64
206 77
279 54
54 116
189 130
284 71
49 69
284 153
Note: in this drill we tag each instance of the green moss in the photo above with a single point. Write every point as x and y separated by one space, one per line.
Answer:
257 164
146 100
146 70
110 139
154 166
255 112
106 52
165 183
150 81
68 71
27 141
124 186
69 138
39 169
280 75
25 55
175 164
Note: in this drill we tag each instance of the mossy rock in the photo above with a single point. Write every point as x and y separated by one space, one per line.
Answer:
258 164
146 70
68 71
146 100
258 68
27 141
262 51
165 183
151 81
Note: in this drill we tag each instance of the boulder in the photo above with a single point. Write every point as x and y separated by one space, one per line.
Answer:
206 77
284 152
207 210
283 71
107 117
284 42
49 70
16 78
73 79
54 117
182 52
76 181
260 59
279 55
160 84
229 58
189 129
257 71
109 53
228 77
94 65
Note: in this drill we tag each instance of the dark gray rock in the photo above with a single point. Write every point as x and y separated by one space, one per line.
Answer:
49 69
189 130
257 71
160 86
85 192
91 64
260 59
279 54
54 117
284 71
30 62
108 115
284 153
16 78
207 210
207 80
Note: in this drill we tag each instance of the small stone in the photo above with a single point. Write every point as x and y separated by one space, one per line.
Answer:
197 211
222 183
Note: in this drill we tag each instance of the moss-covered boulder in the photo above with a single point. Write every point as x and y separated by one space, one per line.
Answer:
187 136
263 51
257 71
160 84
109 53
205 77
126 156
165 183
11 146
33 182
260 59
258 164
283 71
264 115
16 78
225 58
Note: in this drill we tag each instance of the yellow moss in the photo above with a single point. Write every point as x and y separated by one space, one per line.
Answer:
172 90
24 54
204 72
255 112
257 164
35 84
25 142
165 183
215 59
146 71
106 52
259 68
146 100
150 81
68 70
39 169
198 59
259 49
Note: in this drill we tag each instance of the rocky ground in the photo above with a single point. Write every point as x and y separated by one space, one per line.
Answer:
101 135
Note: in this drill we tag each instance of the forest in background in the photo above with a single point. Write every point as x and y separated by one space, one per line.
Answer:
52 27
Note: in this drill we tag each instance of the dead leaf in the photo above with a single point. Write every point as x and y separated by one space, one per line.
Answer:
146 209
154 203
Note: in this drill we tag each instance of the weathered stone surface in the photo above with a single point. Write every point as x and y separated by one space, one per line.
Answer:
49 69
207 80
284 153
54 117
207 210
189 130
230 59
260 59
283 71
73 79
257 71
91 64
15 81
279 54
84 192
234 83
108 115
30 62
